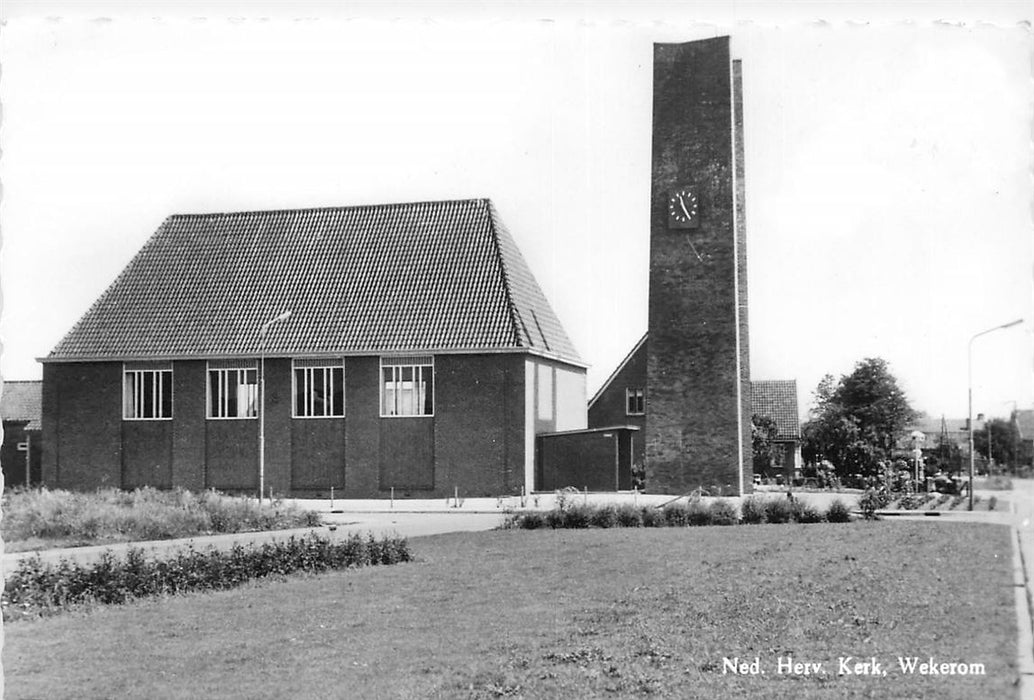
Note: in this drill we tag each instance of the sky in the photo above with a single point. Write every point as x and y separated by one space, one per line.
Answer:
888 163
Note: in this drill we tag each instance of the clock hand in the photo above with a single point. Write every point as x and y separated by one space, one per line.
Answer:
695 250
682 204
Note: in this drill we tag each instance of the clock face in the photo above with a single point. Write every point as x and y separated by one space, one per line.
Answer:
683 209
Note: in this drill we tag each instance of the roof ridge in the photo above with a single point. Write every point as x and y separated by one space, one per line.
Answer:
444 274
617 370
343 207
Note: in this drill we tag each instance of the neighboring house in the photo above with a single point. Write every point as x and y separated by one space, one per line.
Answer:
22 418
1025 428
419 355
622 401
954 430
777 399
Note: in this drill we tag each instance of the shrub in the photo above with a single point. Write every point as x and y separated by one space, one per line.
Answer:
752 510
651 517
992 503
531 520
698 514
555 519
779 510
804 512
603 516
629 516
577 516
838 512
675 515
36 588
723 513
911 501
871 501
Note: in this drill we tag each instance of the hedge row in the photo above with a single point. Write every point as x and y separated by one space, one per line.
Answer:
695 513
37 588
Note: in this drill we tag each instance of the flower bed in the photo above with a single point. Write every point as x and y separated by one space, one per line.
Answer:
695 513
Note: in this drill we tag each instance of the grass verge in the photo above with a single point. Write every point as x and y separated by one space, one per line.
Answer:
566 613
45 519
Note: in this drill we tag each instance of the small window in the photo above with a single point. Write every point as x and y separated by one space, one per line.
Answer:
319 389
233 391
147 393
407 386
635 402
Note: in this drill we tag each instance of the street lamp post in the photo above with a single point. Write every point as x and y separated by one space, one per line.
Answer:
970 423
262 399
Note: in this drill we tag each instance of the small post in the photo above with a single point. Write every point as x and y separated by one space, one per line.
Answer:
522 495
332 498
393 497
635 496
455 496
270 495
28 460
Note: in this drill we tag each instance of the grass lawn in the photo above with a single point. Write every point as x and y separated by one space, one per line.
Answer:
566 613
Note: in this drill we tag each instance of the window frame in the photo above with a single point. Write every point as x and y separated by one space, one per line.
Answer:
241 368
639 396
419 364
154 370
307 366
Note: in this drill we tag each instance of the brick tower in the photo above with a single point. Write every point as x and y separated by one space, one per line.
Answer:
698 373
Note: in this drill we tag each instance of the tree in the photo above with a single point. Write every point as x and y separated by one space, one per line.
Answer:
857 420
1004 439
763 432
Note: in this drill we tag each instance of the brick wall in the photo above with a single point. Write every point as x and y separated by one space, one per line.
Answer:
609 408
82 425
476 439
188 424
479 424
694 369
13 460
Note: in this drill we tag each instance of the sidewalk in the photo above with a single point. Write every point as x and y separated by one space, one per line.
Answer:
338 526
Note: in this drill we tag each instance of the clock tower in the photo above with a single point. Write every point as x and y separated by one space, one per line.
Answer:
698 376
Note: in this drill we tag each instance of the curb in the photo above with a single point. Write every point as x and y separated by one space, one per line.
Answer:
1024 622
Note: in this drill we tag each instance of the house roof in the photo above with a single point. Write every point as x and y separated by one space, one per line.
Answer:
1025 423
617 370
777 399
22 401
932 426
425 276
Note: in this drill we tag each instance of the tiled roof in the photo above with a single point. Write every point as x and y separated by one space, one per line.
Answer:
931 426
22 401
777 399
424 276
